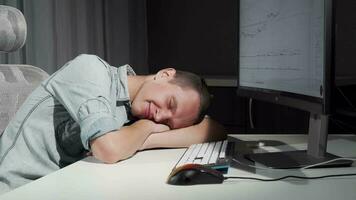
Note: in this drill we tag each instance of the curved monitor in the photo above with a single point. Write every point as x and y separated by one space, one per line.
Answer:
285 56
285 52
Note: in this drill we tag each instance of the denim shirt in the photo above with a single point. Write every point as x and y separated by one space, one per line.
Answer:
85 99
93 93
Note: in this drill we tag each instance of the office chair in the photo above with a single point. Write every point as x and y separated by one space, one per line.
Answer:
16 80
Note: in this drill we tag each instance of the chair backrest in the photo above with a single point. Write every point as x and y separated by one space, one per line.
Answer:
13 29
16 81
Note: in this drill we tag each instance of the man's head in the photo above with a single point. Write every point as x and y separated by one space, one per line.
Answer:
172 97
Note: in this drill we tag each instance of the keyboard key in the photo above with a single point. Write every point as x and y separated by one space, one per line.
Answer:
194 154
208 153
203 150
215 153
223 150
186 155
198 161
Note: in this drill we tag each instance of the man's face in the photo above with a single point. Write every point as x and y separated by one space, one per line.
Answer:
166 103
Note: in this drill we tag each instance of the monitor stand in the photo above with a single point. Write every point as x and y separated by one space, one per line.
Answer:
316 153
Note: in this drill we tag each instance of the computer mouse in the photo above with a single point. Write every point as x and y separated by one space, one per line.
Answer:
191 174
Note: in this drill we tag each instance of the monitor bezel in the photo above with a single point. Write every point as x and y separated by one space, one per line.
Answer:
299 101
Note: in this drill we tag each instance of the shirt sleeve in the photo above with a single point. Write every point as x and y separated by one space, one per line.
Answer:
84 86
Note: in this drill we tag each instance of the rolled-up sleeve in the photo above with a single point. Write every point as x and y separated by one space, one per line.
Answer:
84 87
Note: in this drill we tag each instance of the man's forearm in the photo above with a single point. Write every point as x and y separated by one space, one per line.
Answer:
207 130
123 143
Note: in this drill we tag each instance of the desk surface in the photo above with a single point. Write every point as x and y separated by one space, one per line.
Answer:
143 177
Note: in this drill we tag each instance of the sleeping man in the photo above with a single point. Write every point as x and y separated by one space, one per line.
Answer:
91 108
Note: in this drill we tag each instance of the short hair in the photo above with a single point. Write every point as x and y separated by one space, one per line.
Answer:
190 80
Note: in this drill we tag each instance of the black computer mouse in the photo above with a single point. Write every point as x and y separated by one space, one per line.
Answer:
191 174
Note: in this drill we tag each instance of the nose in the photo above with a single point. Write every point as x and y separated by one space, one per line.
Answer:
162 115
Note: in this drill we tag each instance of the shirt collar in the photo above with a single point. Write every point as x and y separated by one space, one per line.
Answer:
122 88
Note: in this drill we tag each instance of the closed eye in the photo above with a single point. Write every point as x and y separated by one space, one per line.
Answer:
172 104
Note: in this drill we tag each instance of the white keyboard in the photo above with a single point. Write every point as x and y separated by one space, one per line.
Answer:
212 154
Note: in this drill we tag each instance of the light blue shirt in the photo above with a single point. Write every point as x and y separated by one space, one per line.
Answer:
90 90
83 100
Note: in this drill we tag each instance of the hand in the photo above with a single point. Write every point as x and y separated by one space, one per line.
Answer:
158 128
152 126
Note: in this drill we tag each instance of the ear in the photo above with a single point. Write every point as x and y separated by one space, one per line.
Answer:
167 73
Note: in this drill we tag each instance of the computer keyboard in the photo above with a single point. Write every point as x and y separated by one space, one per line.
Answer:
211 154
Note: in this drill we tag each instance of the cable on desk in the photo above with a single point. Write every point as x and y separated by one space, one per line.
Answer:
290 176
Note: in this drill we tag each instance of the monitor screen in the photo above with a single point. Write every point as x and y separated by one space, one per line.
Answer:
285 56
281 45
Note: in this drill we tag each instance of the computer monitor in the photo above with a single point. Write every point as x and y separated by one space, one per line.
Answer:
285 50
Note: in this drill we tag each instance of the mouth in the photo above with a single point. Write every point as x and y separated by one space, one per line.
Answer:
148 111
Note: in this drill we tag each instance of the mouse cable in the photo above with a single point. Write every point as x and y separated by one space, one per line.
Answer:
289 176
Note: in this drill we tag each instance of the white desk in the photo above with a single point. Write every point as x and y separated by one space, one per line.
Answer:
143 177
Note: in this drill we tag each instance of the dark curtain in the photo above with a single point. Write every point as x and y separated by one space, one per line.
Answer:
60 30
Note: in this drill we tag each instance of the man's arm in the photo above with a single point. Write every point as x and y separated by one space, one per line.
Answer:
207 130
121 144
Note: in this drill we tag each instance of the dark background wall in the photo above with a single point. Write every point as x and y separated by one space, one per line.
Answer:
200 36
192 35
